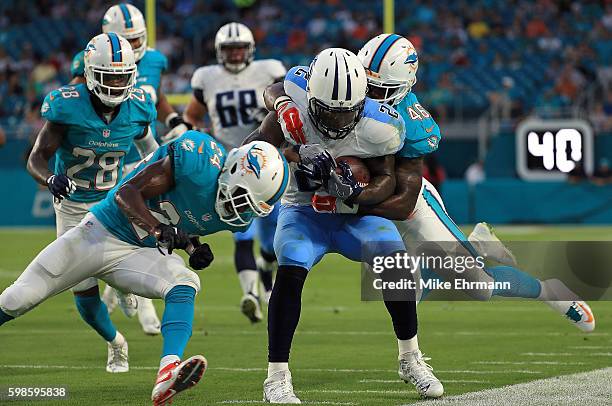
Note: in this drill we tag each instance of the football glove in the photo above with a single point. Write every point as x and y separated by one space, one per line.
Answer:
60 186
343 185
171 238
291 122
201 257
325 203
177 126
316 161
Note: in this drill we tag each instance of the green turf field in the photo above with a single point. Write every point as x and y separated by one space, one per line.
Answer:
344 351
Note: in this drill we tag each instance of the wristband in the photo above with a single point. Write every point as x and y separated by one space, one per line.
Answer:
280 101
169 118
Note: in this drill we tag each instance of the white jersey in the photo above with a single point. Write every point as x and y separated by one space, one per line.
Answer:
379 132
234 99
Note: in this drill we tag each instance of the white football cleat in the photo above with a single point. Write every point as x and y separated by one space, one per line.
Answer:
577 312
127 303
250 307
565 302
148 317
117 361
414 369
487 244
176 377
109 298
279 389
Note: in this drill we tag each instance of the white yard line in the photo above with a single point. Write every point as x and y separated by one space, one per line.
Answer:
587 388
349 371
526 363
395 381
309 402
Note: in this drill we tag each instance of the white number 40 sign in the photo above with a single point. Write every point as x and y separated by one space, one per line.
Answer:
549 150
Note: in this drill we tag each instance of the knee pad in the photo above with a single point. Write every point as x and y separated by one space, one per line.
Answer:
16 303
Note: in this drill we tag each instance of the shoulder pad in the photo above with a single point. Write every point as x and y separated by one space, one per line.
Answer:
198 79
190 153
422 132
155 57
297 75
142 107
62 105
77 67
273 67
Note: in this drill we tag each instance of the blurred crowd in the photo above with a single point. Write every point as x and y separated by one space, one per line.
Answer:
513 58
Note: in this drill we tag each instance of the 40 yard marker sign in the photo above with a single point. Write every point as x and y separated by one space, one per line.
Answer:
551 149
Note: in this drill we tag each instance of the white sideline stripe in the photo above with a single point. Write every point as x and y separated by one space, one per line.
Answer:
567 354
525 363
332 333
586 388
549 354
25 366
395 381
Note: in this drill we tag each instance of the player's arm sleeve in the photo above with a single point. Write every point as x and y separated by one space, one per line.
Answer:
146 143
197 84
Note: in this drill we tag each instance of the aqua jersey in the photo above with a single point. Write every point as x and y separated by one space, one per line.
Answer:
77 68
197 160
422 133
92 152
148 77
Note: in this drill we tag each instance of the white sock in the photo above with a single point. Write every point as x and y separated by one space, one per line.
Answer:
119 339
166 360
248 281
274 367
410 345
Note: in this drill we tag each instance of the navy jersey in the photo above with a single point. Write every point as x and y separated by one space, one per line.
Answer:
422 132
92 152
197 160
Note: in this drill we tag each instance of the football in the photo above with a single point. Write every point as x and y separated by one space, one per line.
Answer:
359 168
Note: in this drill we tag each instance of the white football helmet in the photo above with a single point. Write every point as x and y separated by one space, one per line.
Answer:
235 46
391 63
336 92
127 21
254 177
110 68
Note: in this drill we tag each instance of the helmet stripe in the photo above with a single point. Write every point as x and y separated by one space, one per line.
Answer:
115 47
283 185
348 80
335 89
381 51
127 17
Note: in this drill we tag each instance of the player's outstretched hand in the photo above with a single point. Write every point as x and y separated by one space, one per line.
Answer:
60 186
201 257
289 118
343 185
171 237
